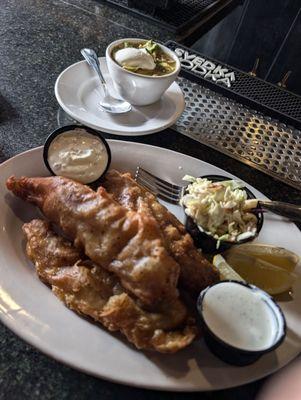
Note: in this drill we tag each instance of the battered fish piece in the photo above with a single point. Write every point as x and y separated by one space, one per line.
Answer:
90 290
43 243
196 272
127 243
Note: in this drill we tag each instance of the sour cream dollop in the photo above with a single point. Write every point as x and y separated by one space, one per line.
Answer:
136 58
79 155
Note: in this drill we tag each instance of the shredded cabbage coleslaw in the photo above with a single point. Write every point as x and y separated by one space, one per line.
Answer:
221 209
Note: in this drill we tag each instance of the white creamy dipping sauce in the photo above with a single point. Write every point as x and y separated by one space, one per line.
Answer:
78 155
239 316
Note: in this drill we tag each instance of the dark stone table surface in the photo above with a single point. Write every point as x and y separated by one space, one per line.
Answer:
38 39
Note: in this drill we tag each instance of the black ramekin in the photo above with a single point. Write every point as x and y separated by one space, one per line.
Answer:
206 241
228 353
68 128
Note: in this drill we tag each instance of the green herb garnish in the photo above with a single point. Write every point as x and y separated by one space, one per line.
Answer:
150 46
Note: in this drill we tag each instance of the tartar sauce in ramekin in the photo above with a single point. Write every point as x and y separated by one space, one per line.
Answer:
79 155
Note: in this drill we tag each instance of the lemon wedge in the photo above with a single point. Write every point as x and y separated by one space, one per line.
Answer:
277 256
267 276
226 272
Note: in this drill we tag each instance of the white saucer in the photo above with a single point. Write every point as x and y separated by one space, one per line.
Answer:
77 91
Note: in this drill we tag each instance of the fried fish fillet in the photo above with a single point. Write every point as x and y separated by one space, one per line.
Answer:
196 272
127 243
89 289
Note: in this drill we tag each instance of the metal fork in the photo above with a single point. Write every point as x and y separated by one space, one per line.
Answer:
162 189
173 193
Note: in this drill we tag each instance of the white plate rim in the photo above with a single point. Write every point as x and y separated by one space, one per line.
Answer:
180 106
44 348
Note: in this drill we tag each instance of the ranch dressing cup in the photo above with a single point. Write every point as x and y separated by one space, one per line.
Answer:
241 322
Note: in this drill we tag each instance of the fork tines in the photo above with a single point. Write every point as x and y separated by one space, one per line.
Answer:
163 189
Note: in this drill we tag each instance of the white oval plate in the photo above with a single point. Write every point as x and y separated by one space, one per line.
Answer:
78 92
29 308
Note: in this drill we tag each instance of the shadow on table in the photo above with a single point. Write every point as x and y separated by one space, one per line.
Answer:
7 112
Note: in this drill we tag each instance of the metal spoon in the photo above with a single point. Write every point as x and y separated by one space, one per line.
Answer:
107 103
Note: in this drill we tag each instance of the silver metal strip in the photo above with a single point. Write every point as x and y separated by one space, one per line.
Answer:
246 135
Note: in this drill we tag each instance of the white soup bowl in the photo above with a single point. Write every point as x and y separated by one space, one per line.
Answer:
137 89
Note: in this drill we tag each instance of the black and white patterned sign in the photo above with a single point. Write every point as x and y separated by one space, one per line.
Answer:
205 68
